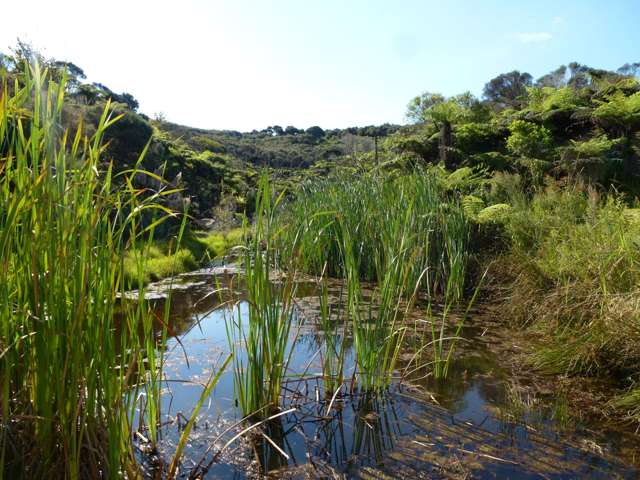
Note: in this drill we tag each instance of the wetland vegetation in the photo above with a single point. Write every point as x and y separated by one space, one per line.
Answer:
346 295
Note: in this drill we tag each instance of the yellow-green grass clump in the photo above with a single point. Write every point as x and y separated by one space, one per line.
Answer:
162 260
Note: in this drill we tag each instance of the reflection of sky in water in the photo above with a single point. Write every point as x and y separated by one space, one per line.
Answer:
399 433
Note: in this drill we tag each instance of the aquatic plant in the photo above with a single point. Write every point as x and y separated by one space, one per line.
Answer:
436 233
404 237
333 348
260 340
77 358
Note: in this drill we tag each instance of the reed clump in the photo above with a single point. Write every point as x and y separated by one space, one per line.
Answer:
364 209
393 240
259 338
71 378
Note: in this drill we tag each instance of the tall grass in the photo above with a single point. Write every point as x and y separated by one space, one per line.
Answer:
333 346
393 240
575 267
70 377
260 341
377 335
436 233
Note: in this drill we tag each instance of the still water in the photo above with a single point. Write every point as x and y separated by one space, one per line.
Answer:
487 420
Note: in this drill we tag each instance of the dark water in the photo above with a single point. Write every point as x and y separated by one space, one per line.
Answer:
483 422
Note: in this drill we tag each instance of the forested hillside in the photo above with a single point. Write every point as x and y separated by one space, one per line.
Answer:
208 165
576 122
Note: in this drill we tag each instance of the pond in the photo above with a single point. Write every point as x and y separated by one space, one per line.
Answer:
486 420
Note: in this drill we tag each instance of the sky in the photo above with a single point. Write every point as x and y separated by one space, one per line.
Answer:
248 64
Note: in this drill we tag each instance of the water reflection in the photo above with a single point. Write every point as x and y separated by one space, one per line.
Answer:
480 428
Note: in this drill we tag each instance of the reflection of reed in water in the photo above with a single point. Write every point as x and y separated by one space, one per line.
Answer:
357 430
376 426
268 447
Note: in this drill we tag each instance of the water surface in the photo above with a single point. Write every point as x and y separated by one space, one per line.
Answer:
484 421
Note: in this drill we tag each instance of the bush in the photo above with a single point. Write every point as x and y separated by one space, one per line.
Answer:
529 140
474 138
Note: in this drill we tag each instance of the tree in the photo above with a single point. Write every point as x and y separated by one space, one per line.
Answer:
528 139
24 53
532 145
508 90
419 107
442 112
315 132
376 132
555 79
582 76
630 69
128 100
105 93
73 74
88 94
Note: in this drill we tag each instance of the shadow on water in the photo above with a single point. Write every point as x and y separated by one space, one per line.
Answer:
476 424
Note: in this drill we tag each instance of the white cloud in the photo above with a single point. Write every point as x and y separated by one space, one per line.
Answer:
532 37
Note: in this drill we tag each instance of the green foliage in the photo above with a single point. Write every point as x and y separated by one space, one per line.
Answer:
529 140
464 180
551 128
619 111
492 161
161 259
507 89
593 147
362 206
263 332
209 143
474 137
128 137
418 107
577 263
497 213
506 188
77 360
434 107
547 99
472 205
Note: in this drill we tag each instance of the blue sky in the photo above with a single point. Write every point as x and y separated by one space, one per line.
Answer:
247 64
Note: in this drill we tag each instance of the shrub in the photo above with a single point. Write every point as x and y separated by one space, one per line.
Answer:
474 138
529 140
497 213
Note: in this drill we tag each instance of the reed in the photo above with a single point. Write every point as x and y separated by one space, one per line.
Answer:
392 240
71 371
375 321
334 344
437 231
260 338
